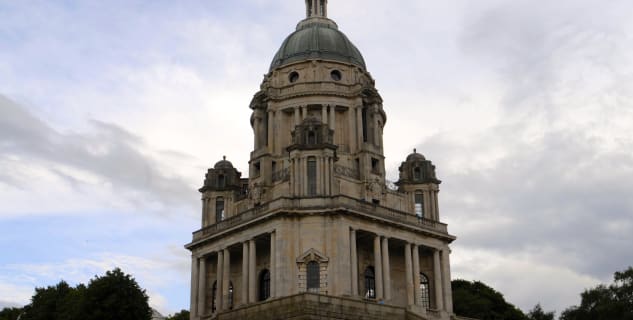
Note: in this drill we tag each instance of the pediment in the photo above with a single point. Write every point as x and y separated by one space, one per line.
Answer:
312 255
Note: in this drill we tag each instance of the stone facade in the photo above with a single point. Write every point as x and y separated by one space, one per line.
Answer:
316 231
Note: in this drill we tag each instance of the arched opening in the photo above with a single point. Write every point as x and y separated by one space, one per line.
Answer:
425 295
214 292
370 283
264 285
313 276
312 138
219 209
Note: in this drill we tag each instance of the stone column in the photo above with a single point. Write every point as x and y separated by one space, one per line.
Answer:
304 171
244 273
351 135
296 117
359 127
354 262
416 274
319 175
219 279
202 285
437 281
446 277
333 118
193 298
378 267
252 277
304 112
226 279
432 203
408 273
271 131
437 208
273 264
427 203
386 269
205 203
324 117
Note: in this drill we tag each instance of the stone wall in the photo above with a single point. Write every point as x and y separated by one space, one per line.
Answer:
307 306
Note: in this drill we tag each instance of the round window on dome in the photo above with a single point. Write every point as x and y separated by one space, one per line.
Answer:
293 77
336 75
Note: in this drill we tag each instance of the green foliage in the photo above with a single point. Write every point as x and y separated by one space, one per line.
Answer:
10 313
115 295
477 300
537 313
182 315
605 302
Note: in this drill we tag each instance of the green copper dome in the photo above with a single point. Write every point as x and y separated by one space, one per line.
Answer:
317 39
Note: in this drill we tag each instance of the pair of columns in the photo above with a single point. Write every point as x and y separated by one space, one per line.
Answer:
382 268
250 281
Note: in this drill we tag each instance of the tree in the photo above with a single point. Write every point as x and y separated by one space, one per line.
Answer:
605 302
537 313
52 303
477 300
10 313
182 315
115 296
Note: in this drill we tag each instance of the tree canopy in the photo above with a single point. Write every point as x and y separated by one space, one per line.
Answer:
182 315
477 300
115 295
605 302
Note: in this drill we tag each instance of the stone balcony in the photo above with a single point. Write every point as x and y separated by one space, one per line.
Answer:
325 205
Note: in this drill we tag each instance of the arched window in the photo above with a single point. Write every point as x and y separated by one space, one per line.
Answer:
313 276
419 204
264 285
214 292
425 296
219 209
230 294
370 283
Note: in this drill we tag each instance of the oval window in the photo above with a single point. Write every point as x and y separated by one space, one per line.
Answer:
336 75
293 77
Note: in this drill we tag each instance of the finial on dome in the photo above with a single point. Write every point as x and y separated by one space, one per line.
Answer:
316 8
223 157
415 150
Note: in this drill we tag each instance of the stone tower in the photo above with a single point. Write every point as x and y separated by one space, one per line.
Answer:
315 232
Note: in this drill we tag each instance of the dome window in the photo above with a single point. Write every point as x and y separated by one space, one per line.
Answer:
293 77
336 75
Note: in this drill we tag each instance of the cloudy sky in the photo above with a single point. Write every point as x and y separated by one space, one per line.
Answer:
111 111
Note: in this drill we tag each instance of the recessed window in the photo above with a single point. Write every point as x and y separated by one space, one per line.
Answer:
370 283
425 294
293 77
336 75
264 285
419 204
256 169
313 276
312 173
375 165
219 209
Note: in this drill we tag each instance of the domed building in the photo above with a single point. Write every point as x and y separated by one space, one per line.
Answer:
315 232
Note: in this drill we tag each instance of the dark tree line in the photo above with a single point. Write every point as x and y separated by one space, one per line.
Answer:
612 302
114 296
